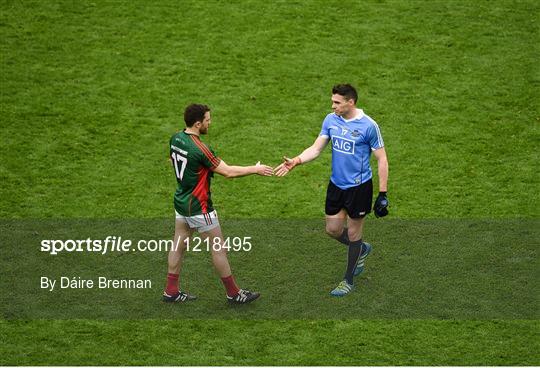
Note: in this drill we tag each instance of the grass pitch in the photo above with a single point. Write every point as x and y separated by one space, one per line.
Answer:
91 92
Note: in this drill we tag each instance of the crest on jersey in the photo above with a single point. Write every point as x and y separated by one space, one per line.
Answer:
355 133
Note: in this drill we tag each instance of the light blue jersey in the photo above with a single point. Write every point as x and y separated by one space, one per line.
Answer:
352 142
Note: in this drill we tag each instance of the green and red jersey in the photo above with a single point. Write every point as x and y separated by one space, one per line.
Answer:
193 163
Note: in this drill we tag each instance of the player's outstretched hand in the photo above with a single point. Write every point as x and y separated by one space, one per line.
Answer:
264 170
381 205
286 166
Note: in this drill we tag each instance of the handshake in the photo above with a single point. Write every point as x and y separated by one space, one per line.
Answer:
280 170
380 208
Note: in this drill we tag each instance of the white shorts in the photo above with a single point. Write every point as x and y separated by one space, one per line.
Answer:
201 223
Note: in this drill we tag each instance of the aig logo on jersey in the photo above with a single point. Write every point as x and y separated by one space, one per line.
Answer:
343 145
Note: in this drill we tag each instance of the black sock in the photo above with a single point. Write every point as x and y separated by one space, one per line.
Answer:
355 248
344 237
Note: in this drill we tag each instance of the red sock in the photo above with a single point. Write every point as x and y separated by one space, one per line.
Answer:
230 285
172 284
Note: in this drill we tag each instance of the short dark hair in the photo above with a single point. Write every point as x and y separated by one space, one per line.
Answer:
345 90
194 113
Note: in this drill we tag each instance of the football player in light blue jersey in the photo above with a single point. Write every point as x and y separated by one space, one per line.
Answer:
353 136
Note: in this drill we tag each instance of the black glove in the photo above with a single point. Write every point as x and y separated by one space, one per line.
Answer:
381 205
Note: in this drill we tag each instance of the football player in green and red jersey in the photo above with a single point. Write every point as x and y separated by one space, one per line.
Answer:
194 165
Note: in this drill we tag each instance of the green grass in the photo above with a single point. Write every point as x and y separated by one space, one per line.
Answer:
91 92
406 342
95 90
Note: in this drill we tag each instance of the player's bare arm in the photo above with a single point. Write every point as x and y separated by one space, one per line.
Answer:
230 171
380 208
309 154
382 168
